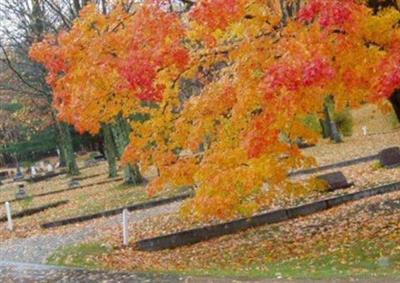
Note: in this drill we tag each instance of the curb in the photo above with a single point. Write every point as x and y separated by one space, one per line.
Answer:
197 235
116 211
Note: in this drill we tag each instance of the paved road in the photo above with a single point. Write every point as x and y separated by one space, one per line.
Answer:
24 273
29 273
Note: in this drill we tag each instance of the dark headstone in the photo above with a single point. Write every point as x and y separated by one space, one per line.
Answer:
19 176
90 163
74 183
390 157
303 144
335 181
3 175
21 193
100 158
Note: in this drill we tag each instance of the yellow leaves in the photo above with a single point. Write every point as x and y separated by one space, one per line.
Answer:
379 28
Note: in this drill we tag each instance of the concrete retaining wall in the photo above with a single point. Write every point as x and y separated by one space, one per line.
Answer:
335 165
34 210
201 234
116 211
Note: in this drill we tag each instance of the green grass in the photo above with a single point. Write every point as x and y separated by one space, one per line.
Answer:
26 202
377 166
365 259
81 255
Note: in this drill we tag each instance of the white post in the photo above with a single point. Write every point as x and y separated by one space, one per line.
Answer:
365 130
125 227
9 219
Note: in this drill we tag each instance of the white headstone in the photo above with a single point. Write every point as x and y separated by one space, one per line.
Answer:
9 219
33 171
125 234
50 168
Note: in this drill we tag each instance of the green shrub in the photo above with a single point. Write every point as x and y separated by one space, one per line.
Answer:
311 121
344 122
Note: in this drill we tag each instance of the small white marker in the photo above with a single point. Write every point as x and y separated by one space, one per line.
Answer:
9 219
125 227
365 130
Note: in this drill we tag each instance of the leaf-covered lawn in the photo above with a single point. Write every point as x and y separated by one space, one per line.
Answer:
82 201
361 239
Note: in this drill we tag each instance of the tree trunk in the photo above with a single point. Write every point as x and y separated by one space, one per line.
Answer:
121 130
330 121
62 159
67 148
377 5
395 101
110 150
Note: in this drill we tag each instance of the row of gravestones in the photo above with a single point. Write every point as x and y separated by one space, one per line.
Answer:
23 194
95 160
388 158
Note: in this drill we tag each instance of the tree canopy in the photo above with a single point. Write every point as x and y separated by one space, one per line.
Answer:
260 68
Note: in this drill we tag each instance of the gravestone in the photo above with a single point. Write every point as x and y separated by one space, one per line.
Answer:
50 169
100 158
74 183
303 144
33 171
90 163
390 157
21 193
19 176
3 175
335 181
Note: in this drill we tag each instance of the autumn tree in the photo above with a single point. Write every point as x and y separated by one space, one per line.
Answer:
21 25
261 67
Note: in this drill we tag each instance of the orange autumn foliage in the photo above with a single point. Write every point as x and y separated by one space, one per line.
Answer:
235 140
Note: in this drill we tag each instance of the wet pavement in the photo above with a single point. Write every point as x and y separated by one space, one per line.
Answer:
27 273
11 272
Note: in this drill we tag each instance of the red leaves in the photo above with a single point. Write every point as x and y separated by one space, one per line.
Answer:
156 44
140 75
317 72
330 13
217 14
389 69
49 54
261 136
309 73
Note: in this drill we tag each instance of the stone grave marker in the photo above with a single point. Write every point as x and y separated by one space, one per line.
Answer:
21 193
100 157
335 181
19 176
74 183
50 169
90 163
3 175
33 171
390 157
